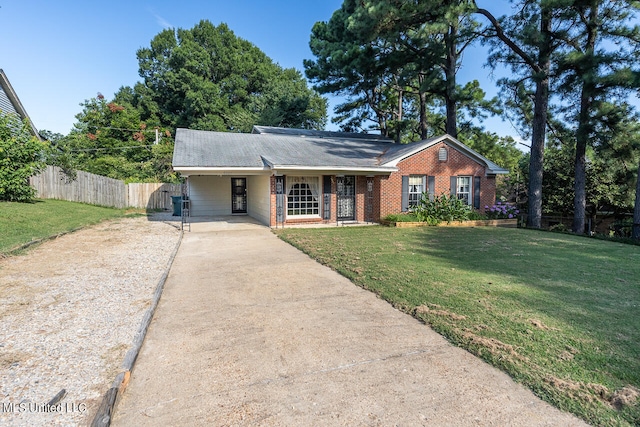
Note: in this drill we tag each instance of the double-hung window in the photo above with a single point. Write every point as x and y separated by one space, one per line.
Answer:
463 189
416 188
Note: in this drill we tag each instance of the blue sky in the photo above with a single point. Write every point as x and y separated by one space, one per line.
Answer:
58 54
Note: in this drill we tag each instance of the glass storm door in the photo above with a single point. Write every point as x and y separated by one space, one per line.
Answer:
346 194
238 195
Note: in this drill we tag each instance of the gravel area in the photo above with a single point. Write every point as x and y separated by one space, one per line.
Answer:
69 310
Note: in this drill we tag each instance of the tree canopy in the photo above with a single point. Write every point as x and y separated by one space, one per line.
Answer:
203 78
21 156
572 66
396 63
208 78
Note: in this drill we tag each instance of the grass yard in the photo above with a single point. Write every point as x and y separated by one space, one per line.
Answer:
21 223
559 313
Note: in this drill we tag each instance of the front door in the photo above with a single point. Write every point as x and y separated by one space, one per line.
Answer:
239 195
346 195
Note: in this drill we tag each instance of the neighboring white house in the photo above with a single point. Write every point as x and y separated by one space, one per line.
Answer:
10 103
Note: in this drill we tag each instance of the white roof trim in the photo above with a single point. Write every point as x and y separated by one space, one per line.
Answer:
420 147
381 169
205 170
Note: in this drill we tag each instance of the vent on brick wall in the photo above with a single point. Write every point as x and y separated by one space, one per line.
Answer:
442 154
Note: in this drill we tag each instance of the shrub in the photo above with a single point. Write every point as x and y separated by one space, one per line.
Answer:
401 217
442 208
21 156
501 210
474 215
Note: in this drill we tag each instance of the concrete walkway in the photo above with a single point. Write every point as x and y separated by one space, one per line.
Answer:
250 331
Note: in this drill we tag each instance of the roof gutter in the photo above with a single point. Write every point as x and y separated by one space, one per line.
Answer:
204 170
340 169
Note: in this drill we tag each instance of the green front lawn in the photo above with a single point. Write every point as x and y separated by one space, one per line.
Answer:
559 313
21 223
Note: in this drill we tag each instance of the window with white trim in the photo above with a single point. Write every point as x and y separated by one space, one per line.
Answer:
416 184
463 189
303 196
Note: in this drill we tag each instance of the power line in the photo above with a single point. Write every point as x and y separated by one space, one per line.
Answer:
156 130
112 148
133 130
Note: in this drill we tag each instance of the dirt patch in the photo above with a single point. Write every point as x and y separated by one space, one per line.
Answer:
568 354
538 324
566 385
425 309
627 396
492 345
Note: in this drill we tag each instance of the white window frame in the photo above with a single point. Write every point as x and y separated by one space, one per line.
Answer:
313 185
415 190
464 191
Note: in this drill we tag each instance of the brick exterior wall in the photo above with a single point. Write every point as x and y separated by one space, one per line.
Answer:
387 190
426 163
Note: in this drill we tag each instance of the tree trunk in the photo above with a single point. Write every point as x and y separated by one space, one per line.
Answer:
583 132
635 232
450 76
580 171
539 128
424 129
399 124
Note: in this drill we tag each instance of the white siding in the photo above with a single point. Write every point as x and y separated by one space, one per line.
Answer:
5 104
210 195
258 198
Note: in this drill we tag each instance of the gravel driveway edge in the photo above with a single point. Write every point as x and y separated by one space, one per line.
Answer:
111 397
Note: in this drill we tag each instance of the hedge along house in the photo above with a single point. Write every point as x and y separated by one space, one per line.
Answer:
292 176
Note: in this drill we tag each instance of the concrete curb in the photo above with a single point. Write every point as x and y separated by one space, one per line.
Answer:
111 397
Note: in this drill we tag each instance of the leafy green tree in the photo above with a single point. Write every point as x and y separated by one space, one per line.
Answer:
394 58
58 154
599 64
610 169
21 156
110 139
346 65
208 78
498 149
530 38
201 78
635 232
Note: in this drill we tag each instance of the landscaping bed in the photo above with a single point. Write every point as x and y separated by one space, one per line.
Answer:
509 223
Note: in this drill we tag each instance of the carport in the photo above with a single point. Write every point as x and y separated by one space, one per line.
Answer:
236 193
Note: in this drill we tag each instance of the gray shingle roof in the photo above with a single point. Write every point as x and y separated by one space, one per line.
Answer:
272 150
318 133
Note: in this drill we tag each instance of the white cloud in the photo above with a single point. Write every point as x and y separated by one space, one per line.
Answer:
161 21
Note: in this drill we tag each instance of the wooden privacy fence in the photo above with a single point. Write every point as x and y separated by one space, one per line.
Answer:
52 183
152 195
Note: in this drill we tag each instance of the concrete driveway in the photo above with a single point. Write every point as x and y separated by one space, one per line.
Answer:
250 331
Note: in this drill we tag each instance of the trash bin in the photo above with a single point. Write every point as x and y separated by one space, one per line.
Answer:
177 205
